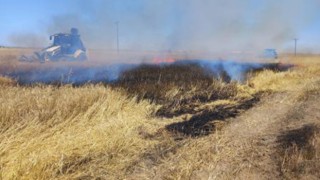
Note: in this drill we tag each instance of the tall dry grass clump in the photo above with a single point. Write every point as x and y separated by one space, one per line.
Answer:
299 152
49 132
4 81
284 81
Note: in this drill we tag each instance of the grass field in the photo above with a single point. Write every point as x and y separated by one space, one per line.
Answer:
173 122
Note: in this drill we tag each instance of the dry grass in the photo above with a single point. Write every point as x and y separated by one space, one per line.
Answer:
299 146
47 133
119 131
179 88
300 152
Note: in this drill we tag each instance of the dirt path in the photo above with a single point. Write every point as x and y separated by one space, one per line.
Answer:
255 134
250 145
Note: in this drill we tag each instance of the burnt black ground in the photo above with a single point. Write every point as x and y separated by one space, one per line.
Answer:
106 73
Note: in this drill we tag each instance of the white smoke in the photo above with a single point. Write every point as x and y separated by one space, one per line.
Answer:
197 25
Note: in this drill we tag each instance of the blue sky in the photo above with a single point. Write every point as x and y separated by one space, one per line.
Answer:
210 25
26 15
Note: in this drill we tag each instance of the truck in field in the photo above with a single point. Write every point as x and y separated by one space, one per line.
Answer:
65 46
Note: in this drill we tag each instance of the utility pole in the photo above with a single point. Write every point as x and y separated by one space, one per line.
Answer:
117 26
295 46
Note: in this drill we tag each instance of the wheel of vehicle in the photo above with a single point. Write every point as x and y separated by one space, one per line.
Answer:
46 57
80 55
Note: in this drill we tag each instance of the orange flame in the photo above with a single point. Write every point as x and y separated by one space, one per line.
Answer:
163 59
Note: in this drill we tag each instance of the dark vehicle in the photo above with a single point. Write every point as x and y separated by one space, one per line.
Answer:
65 46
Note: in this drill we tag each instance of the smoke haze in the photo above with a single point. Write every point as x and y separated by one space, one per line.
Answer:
78 75
198 25
28 40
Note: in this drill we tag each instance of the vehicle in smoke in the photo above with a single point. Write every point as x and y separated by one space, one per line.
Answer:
65 46
270 54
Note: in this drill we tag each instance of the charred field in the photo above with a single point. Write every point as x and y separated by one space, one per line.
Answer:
180 89
94 120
